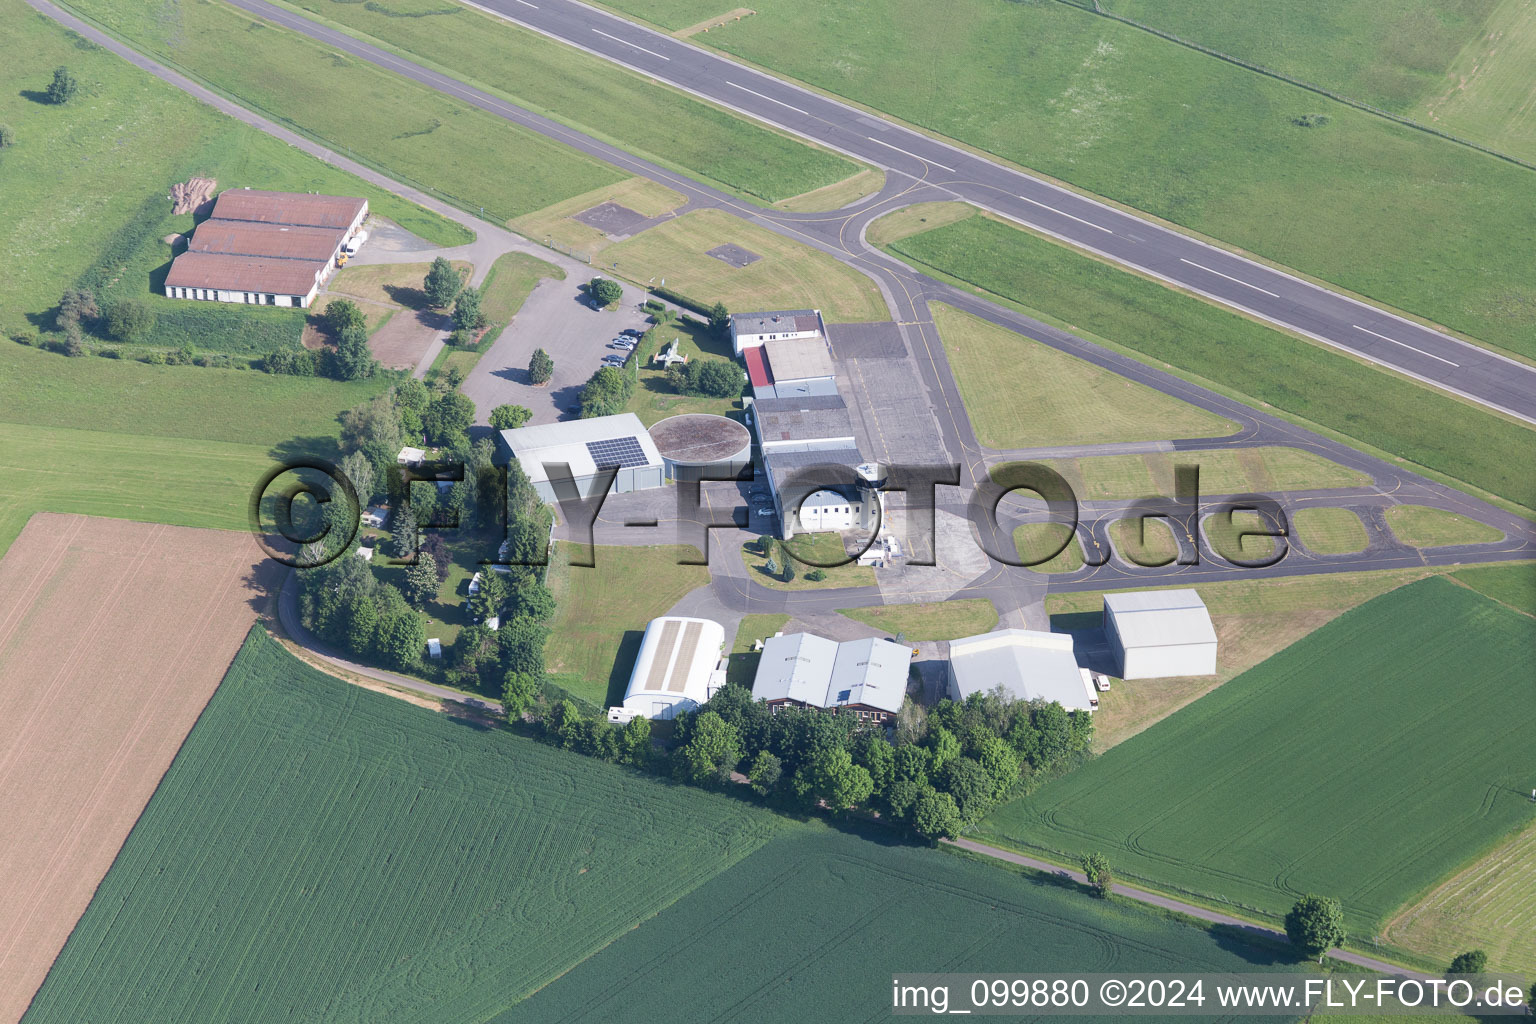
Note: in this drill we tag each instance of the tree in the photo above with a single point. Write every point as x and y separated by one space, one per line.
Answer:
1474 961
878 758
356 468
442 284
7 136
717 379
485 604
635 743
789 570
1101 881
519 693
341 314
771 567
944 745
965 780
765 772
421 579
720 319
935 816
403 638
363 624
352 359
540 367
128 320
63 87
833 778
467 314
606 290
532 599
509 417
911 722
605 392
521 641
448 417
712 751
77 305
1315 925
998 760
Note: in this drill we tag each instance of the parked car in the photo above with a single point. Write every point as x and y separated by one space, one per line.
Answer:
630 332
614 360
765 512
1101 680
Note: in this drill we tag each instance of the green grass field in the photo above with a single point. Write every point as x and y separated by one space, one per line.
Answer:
1386 53
466 156
321 852
601 614
812 925
1513 585
1425 527
595 96
1363 763
822 549
789 275
1144 541
1222 471
1330 531
935 620
1486 95
741 664
654 398
1034 540
86 182
1069 401
1181 135
1210 345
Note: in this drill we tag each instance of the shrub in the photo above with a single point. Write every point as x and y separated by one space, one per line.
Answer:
24 337
109 353
1101 881
153 358
509 417
7 136
461 339
1473 961
341 314
606 290
1310 120
467 314
129 320
63 87
816 575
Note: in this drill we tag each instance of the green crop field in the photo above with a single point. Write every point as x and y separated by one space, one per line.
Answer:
1208 344
812 926
595 96
1181 135
1367 762
321 852
1386 53
463 154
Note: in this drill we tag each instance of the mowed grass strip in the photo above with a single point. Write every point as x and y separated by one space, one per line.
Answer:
150 479
1330 531
789 275
596 96
1144 541
1425 527
1034 541
1361 763
465 155
1222 471
1487 93
1021 393
932 620
1192 139
1489 906
601 613
806 928
318 850
79 173
1208 344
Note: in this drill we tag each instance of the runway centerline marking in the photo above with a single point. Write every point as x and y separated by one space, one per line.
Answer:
1409 347
525 3
1229 277
1067 215
626 42
770 99
914 156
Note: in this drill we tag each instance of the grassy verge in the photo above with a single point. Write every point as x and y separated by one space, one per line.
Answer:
1144 541
1035 540
741 665
416 133
836 196
818 547
556 224
1186 137
1425 527
596 96
602 614
1069 401
1330 531
788 276
939 620
1209 345
1223 471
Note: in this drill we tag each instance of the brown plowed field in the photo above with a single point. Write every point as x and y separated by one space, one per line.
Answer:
113 635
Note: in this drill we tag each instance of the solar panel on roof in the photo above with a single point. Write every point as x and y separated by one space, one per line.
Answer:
623 452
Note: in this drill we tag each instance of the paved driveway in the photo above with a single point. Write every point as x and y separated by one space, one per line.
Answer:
557 319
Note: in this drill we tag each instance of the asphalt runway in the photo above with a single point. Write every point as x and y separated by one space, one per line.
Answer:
1273 295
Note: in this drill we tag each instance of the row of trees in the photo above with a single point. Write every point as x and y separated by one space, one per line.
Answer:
710 378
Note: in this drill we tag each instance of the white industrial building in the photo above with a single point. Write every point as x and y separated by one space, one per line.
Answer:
797 435
791 368
865 678
1158 633
585 447
1026 663
678 669
748 330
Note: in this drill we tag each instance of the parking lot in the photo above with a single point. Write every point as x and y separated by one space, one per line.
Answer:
558 319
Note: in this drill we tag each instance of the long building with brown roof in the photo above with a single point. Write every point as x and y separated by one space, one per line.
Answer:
265 248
